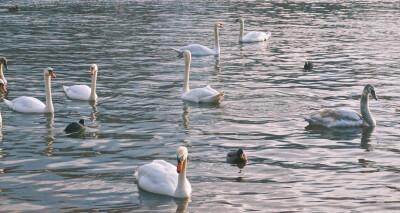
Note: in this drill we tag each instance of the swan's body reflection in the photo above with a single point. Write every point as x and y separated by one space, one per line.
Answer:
148 200
49 136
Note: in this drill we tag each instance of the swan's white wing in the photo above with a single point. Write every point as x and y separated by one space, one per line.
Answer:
80 92
255 37
205 95
335 118
158 177
26 104
197 50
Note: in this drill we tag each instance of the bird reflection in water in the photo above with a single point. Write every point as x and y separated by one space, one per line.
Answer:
185 117
148 199
366 138
49 136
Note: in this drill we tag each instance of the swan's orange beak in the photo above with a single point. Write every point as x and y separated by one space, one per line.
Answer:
92 71
221 26
179 167
3 88
51 73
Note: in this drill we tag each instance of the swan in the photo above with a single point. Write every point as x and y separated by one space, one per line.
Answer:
3 62
3 88
29 104
160 177
236 157
203 95
75 127
346 117
83 92
200 50
251 36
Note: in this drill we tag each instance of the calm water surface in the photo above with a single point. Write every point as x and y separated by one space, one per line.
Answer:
140 115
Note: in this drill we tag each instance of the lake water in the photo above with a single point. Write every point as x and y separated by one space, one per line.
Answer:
140 116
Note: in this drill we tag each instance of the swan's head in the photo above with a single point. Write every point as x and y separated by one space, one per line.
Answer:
82 122
49 72
181 156
4 62
240 20
371 90
217 24
240 155
185 54
93 68
2 86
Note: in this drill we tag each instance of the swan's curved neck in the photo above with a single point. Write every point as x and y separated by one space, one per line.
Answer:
364 107
49 101
181 187
187 68
216 39
241 30
93 87
2 74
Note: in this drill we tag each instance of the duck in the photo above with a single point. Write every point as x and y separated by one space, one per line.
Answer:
342 117
308 65
198 95
75 127
251 36
3 62
200 50
83 92
3 89
236 157
13 9
32 105
161 177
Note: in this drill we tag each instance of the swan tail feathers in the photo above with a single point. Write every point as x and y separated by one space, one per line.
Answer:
8 103
65 88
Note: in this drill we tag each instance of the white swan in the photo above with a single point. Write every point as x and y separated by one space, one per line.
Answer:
3 88
346 117
161 177
83 92
29 104
251 36
203 95
200 50
3 62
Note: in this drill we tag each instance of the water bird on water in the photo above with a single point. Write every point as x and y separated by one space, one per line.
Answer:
200 50
33 105
198 95
345 117
75 127
236 156
252 36
161 177
308 65
13 9
83 92
3 62
2 88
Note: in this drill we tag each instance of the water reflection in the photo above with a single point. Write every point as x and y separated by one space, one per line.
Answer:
95 111
366 138
148 200
185 116
49 136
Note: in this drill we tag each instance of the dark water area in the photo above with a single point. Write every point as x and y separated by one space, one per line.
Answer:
140 116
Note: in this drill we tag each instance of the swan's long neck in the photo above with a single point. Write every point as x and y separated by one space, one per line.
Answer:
181 189
241 30
49 101
187 68
216 39
2 74
93 87
364 105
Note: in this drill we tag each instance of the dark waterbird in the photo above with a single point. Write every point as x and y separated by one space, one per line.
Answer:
13 9
237 157
308 65
75 127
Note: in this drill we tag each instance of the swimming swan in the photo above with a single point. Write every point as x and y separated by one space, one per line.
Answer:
3 62
200 50
83 92
346 117
30 104
2 88
161 177
203 95
251 36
